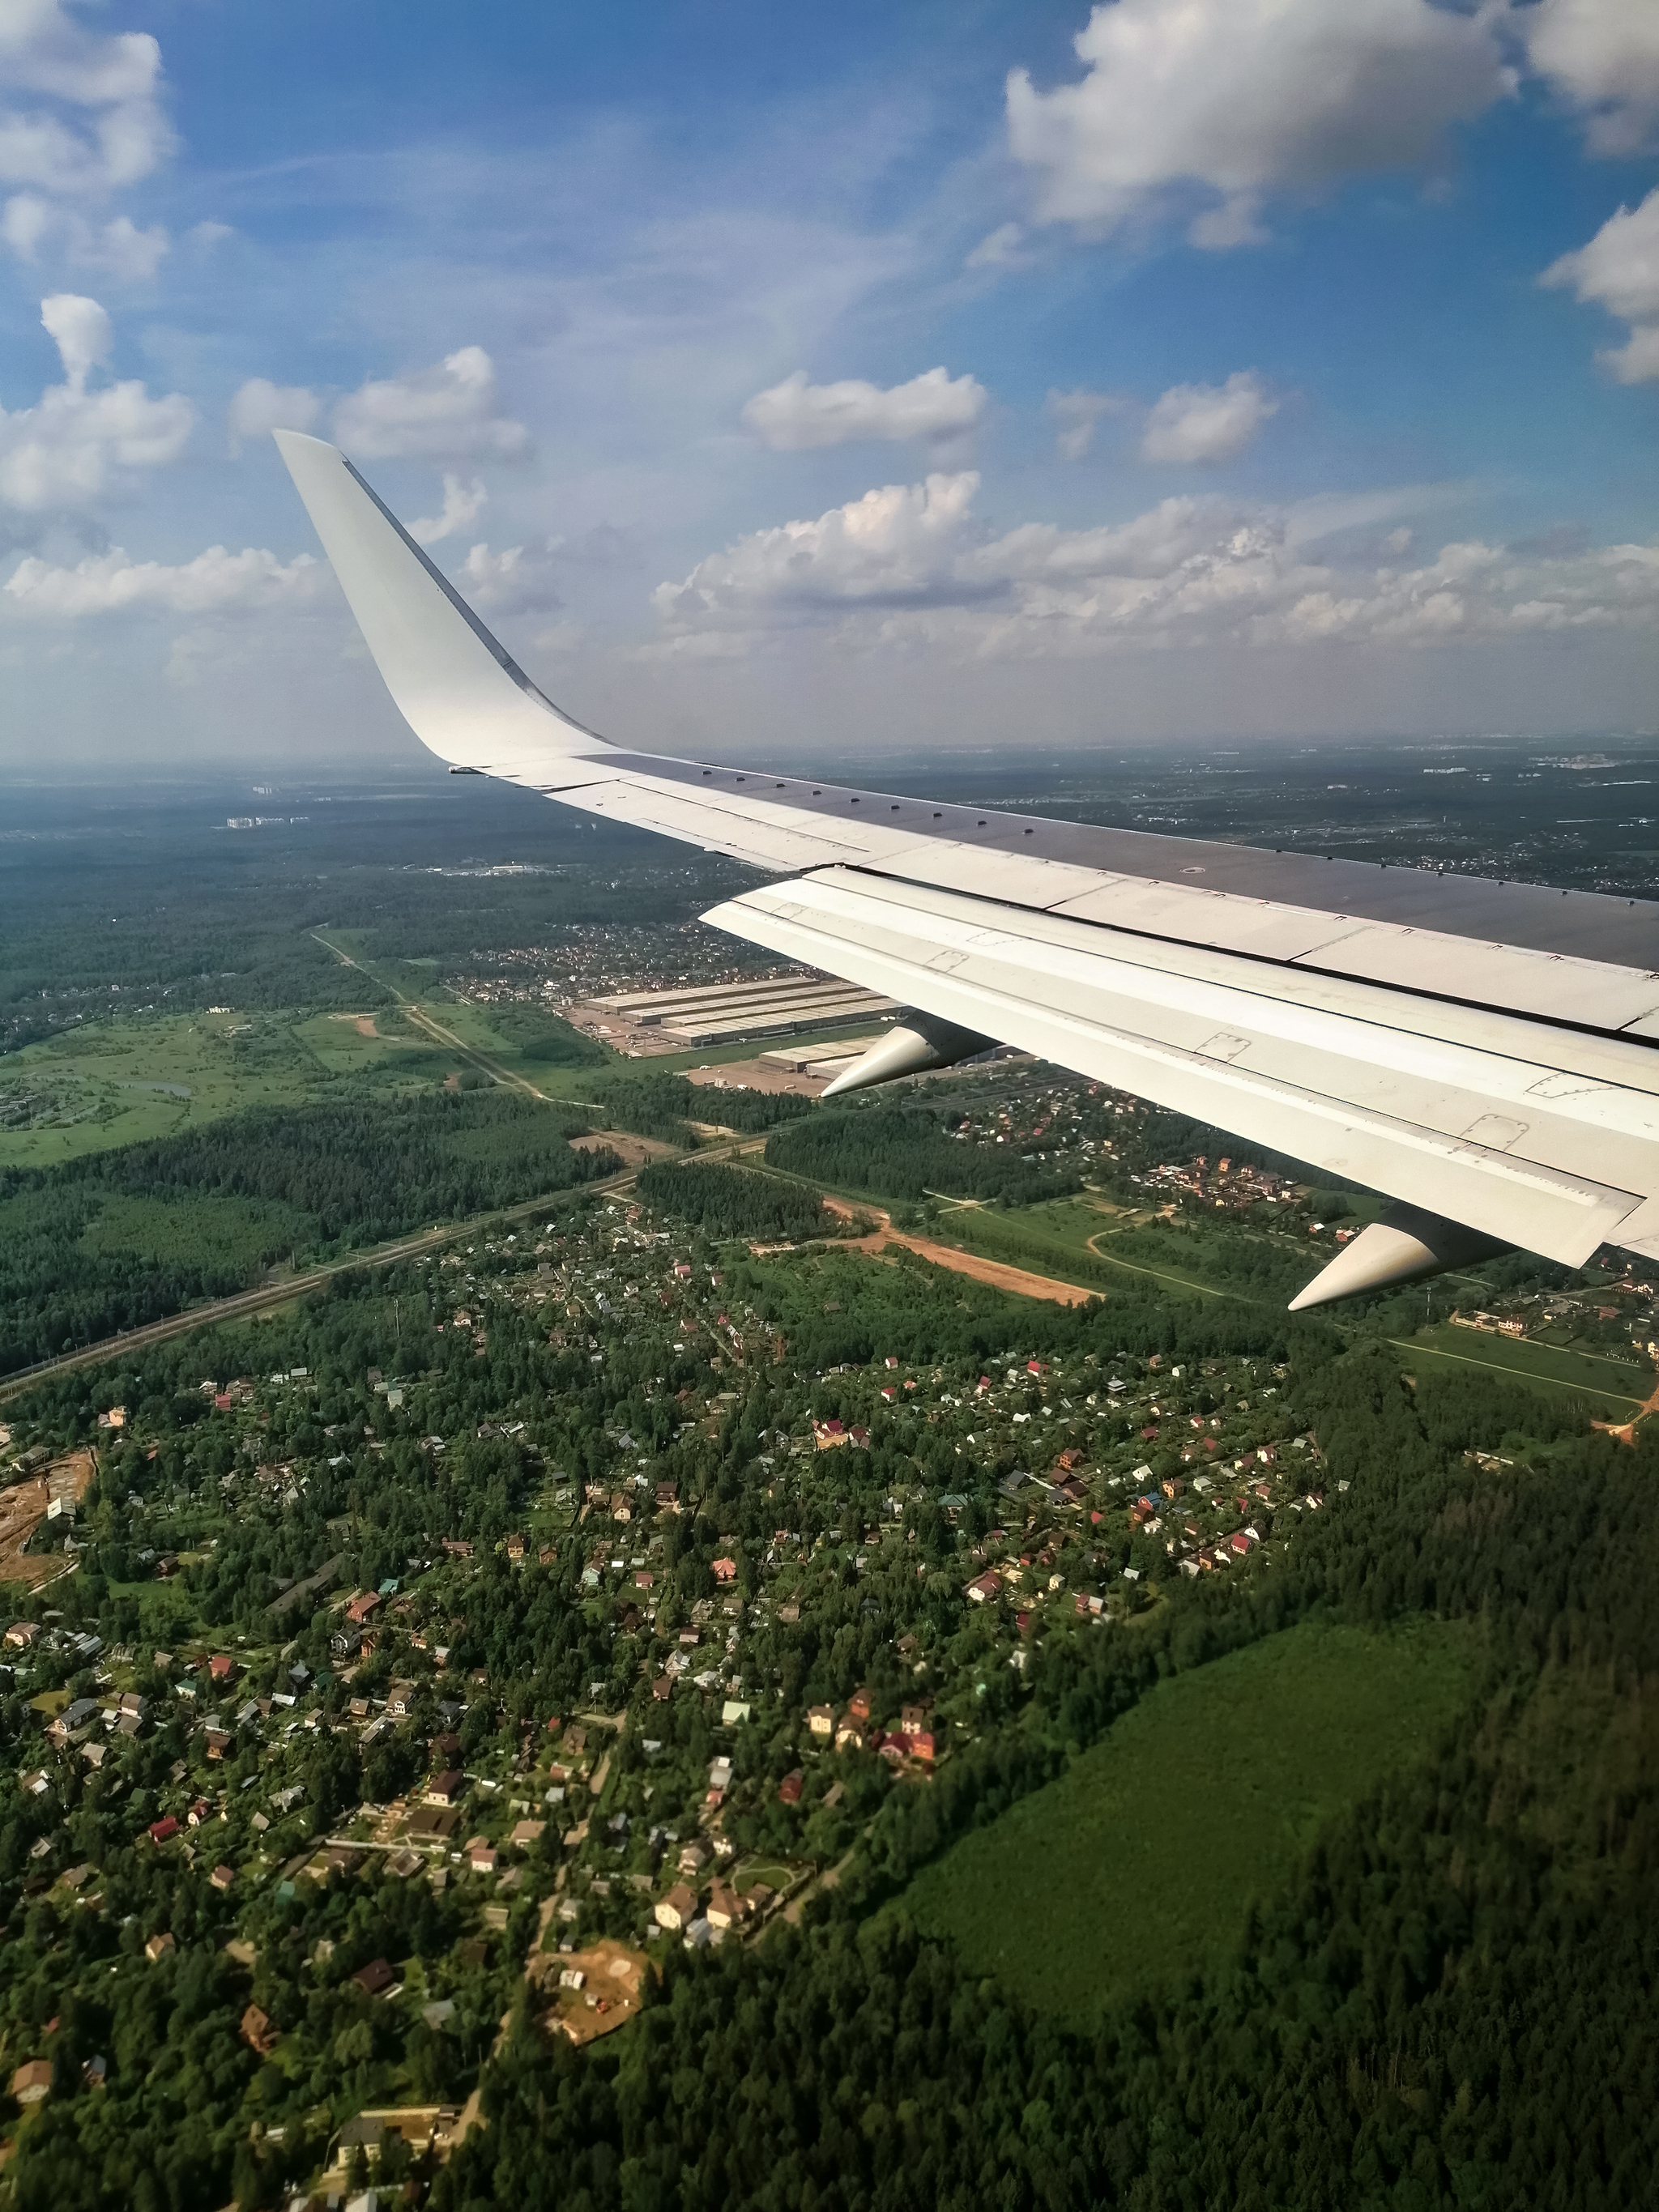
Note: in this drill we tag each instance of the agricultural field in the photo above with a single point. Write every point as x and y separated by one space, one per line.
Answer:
1139 1865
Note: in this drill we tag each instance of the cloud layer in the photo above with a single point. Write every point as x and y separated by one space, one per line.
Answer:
795 416
908 565
215 582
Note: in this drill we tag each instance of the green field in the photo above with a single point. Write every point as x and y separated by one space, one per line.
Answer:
1139 1863
1614 1385
124 1081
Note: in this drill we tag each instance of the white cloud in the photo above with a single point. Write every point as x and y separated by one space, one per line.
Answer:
1077 414
81 330
516 581
1237 98
795 416
260 407
1000 250
101 125
215 582
899 543
1208 423
463 505
73 444
909 565
1603 56
118 249
446 413
1619 269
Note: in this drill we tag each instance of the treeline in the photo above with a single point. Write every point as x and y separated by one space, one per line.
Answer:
903 1152
664 1106
310 1179
726 1201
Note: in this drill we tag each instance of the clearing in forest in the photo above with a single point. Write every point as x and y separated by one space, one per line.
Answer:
1139 1863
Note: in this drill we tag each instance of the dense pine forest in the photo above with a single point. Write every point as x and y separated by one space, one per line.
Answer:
725 1201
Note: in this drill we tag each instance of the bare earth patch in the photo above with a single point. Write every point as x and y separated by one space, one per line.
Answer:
633 1151
613 1977
993 1272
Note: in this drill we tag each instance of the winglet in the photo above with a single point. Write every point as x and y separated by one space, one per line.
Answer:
456 686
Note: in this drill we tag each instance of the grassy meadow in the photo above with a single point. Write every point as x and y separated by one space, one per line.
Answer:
1138 1864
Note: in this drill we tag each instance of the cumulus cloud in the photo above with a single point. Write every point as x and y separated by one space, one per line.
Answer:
84 109
463 505
899 543
117 248
73 444
911 565
260 407
1619 269
1077 414
1207 423
215 582
446 413
1602 56
796 415
1226 101
518 580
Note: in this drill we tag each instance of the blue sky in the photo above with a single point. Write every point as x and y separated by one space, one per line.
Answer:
1183 368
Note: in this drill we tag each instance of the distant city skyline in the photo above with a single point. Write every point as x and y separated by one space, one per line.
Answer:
1025 376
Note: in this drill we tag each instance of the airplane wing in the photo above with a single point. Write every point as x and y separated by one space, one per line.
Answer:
1486 1054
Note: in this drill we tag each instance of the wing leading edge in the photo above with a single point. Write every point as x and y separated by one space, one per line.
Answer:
1483 1053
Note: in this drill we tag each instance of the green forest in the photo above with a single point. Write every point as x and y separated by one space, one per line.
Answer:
123 1237
903 1152
727 1201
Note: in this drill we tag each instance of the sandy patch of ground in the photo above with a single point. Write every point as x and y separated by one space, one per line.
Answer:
995 1272
613 1978
633 1151
23 1508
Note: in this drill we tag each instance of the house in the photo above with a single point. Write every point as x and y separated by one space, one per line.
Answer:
20 1636
829 1435
677 1910
445 1789
458 1547
725 1907
516 1547
199 1812
221 1668
32 2080
218 1741
163 1831
921 1745
984 1587
362 1609
257 2032
158 1948
790 1788
480 1856
223 1878
849 1736
75 1717
725 1571
821 1720
858 1705
400 1701
375 1979
913 1719
526 1833
694 1856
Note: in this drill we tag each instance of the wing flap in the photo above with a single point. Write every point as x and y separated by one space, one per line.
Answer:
1420 1119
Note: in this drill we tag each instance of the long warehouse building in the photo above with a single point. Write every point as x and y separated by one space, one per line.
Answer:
725 1014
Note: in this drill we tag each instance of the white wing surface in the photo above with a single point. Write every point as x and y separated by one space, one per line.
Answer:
1486 1054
